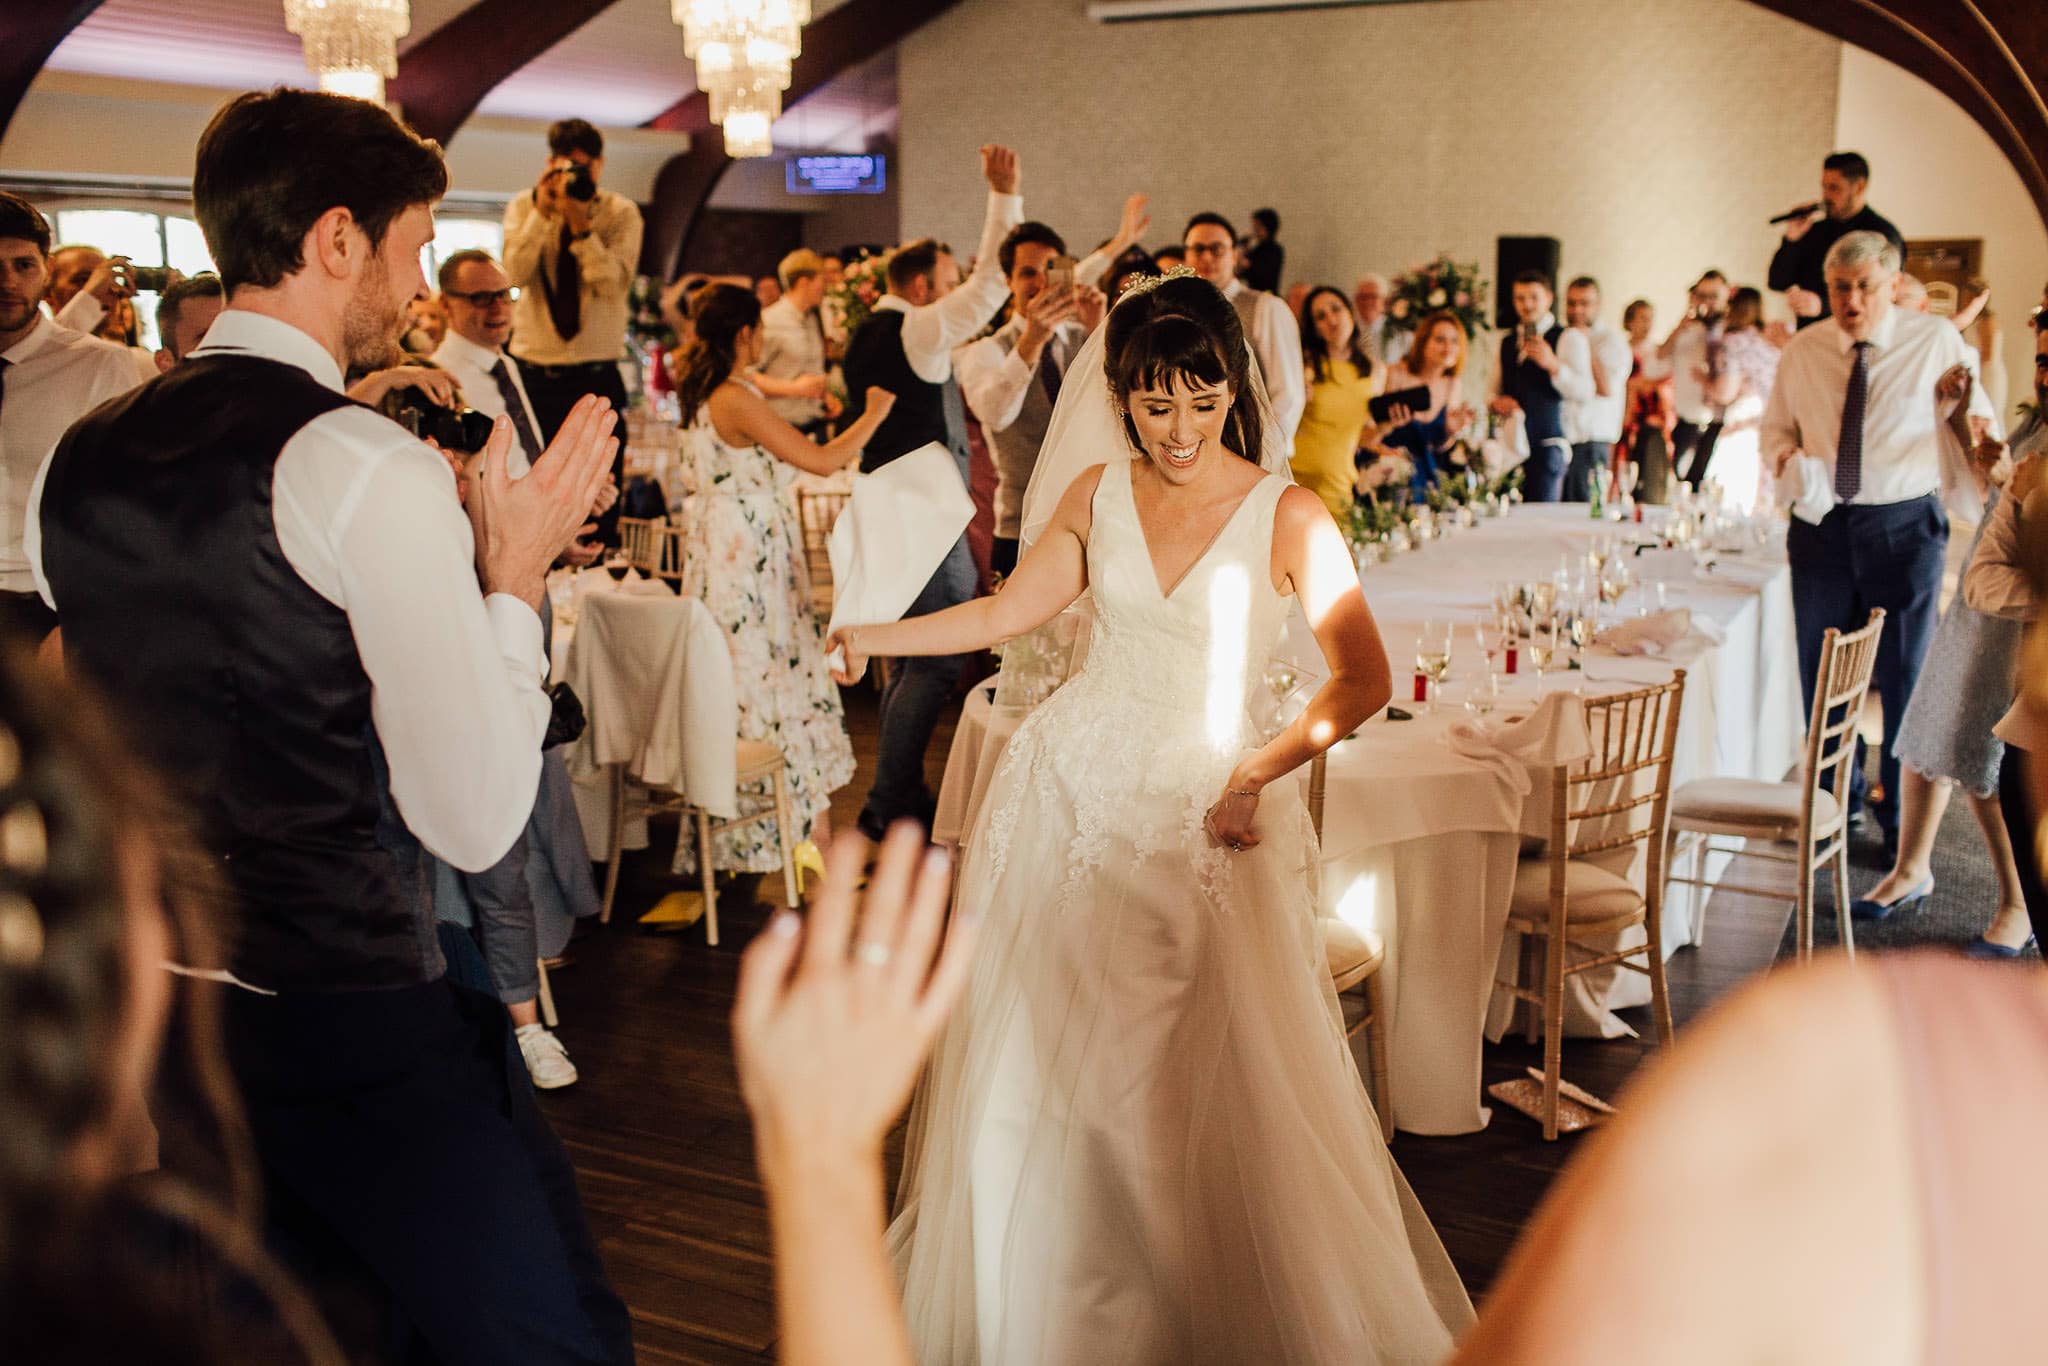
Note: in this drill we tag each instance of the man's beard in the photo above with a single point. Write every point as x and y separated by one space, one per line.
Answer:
373 321
16 314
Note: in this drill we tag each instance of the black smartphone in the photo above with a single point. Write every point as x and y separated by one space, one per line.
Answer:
1415 400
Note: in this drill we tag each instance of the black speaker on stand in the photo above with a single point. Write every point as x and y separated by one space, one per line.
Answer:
1513 256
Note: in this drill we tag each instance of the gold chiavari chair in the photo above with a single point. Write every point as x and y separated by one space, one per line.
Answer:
1617 796
1805 812
1355 957
639 541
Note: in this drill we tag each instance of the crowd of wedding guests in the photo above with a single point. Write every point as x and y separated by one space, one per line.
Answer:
231 1160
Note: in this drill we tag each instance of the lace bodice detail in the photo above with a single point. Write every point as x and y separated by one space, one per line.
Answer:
1188 657
1141 740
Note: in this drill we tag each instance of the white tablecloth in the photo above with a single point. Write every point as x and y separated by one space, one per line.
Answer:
1420 843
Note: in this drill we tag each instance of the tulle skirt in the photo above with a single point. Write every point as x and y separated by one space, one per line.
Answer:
1143 1137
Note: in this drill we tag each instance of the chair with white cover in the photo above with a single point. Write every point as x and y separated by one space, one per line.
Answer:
1355 957
1804 812
1570 906
656 680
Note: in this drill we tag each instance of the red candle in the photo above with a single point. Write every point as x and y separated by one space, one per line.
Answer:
1512 652
1421 686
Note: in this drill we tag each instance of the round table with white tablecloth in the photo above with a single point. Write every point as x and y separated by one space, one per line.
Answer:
1420 841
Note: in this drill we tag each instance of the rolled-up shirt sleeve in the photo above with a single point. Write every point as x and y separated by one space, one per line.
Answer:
993 380
931 331
369 518
1995 581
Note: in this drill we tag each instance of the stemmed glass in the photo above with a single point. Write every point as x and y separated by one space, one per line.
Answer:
1433 651
1542 646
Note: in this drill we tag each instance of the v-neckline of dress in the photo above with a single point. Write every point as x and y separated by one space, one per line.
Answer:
1145 540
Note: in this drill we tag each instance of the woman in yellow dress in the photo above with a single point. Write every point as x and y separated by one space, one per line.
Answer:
1341 379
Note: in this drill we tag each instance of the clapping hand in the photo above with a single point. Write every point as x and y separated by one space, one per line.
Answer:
837 1009
522 525
1090 306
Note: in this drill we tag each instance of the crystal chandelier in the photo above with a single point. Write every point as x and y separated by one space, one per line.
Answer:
351 45
743 49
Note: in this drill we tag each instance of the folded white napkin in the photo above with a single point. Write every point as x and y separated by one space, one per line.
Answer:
892 535
1810 485
1500 745
1658 632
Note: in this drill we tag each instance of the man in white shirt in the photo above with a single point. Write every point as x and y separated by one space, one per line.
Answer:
1369 297
1692 350
279 590
1594 364
1855 396
50 376
479 295
1210 244
572 249
1011 378
791 371
906 347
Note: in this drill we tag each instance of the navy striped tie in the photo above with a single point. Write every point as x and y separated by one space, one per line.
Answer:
1849 449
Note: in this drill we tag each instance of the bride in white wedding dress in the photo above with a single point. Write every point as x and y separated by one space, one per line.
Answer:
1143 1138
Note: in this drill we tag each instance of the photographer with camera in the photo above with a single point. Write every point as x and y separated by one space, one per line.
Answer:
571 249
89 289
1694 351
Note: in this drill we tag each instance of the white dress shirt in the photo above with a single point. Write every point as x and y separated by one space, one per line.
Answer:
1903 426
607 259
1688 396
792 344
931 331
84 313
470 366
367 516
1276 341
1588 416
54 377
994 378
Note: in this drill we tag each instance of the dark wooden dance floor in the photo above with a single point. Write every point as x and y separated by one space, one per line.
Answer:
661 1144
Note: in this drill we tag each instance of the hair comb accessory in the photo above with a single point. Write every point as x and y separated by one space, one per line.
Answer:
21 932
1145 284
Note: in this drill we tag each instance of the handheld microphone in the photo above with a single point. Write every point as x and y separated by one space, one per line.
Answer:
1801 212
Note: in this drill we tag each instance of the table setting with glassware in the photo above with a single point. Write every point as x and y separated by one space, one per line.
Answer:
1496 629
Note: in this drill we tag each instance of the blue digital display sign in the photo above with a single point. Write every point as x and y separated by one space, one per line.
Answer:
864 174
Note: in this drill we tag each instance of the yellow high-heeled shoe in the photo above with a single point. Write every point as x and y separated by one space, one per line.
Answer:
809 861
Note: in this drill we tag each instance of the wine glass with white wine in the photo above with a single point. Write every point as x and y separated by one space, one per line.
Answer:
1433 651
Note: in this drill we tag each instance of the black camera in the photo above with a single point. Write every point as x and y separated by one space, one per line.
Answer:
580 184
148 279
464 430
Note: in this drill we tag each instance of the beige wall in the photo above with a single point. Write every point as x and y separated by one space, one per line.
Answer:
1935 173
1652 137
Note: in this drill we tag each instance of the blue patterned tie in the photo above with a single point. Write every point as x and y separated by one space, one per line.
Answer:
1849 449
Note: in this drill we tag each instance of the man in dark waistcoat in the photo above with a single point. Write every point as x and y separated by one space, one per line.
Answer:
906 346
280 592
1524 383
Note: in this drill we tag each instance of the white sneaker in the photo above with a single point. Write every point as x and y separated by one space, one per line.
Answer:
547 1062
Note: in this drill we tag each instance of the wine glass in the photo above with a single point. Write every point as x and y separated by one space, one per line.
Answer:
616 563
1433 651
1542 646
1484 694
1491 638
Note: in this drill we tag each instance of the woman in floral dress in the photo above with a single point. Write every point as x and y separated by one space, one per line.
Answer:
743 556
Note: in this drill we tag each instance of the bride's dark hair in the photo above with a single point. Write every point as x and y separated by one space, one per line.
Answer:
1183 328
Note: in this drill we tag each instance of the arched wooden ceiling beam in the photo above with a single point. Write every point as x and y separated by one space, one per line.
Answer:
30 31
1989 56
833 44
444 77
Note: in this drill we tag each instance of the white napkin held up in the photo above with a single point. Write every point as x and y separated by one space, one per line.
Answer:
892 535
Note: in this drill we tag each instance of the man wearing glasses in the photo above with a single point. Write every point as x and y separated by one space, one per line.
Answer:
478 295
1210 244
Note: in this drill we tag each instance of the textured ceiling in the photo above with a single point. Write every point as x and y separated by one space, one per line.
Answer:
620 69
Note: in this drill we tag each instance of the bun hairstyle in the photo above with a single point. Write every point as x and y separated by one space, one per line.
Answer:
718 315
1183 330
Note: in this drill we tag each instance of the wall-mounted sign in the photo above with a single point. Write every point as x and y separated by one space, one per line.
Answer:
837 174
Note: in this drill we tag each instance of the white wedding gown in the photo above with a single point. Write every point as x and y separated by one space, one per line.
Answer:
1143 1138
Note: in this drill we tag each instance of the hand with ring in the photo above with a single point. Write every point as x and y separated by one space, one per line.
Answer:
837 1008
1229 821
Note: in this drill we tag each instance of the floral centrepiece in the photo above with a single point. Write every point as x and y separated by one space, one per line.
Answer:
863 285
1454 286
